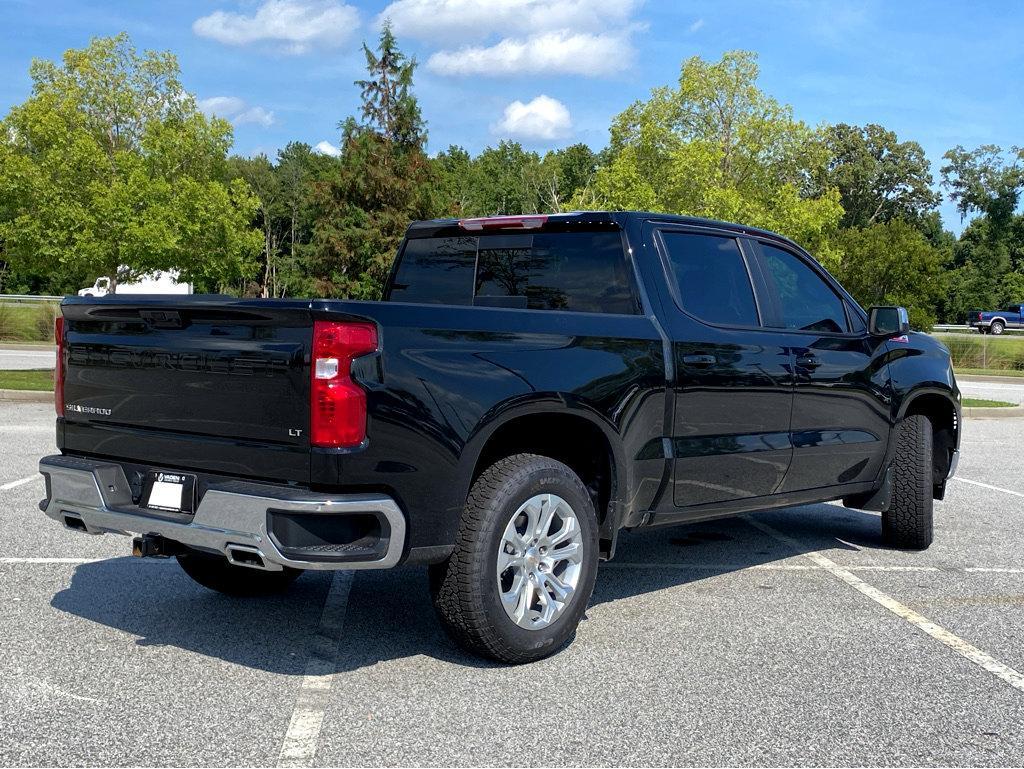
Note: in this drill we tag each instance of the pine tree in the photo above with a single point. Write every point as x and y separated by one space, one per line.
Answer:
384 180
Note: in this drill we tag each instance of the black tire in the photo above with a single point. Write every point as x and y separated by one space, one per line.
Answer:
997 327
465 587
216 573
908 523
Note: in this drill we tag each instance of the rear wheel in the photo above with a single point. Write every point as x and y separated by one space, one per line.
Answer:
908 523
997 327
216 573
524 564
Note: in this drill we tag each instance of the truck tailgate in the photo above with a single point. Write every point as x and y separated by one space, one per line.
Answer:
214 384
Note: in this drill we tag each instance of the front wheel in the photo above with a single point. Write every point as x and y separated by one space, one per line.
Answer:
216 573
908 523
524 564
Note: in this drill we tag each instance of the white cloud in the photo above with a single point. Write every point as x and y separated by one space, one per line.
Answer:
560 52
235 110
453 21
255 115
295 26
326 148
542 118
695 26
504 37
222 106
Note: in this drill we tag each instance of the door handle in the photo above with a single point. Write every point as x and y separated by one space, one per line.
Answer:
700 361
808 361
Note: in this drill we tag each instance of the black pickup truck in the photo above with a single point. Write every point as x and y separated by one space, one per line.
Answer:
528 387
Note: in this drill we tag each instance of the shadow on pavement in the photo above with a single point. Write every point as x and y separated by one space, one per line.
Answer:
389 615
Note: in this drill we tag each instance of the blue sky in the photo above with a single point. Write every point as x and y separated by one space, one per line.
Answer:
553 73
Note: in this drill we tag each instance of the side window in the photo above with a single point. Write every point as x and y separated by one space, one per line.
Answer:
575 271
712 278
435 271
806 302
857 324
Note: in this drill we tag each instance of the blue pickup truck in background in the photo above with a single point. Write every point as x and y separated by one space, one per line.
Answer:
996 321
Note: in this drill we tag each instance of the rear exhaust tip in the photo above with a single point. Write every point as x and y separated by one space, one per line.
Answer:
74 522
244 555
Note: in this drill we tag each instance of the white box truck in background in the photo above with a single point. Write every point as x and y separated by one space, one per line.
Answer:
153 283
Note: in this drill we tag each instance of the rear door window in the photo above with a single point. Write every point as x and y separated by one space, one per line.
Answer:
711 278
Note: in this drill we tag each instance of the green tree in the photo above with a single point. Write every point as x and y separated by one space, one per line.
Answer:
879 178
382 181
259 173
110 169
988 182
506 179
985 180
894 263
454 171
717 146
298 169
565 175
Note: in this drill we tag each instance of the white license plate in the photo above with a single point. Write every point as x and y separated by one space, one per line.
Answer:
167 491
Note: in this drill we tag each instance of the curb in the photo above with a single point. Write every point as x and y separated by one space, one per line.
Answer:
27 396
1004 412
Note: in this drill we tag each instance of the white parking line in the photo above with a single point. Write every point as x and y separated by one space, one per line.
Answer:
21 482
303 736
51 560
728 567
939 633
988 486
992 570
757 566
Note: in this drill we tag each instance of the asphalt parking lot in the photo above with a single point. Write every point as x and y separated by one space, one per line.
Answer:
789 637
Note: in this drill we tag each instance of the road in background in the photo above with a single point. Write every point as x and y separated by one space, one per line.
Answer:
22 357
1010 391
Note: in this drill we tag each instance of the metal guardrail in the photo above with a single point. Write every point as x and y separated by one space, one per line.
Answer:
19 298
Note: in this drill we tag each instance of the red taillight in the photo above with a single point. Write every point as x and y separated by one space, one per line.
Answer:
979 316
530 222
58 370
337 404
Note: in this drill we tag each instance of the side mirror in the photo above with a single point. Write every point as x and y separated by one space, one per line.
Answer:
888 321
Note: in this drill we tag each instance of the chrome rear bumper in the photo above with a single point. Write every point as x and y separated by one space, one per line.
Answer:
95 497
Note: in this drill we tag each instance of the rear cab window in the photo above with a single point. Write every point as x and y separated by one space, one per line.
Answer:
573 271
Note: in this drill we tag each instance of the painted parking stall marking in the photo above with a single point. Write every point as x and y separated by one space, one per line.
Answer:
303 736
989 486
20 482
966 650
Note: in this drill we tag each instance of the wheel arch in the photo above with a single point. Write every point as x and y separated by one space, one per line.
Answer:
943 411
563 429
